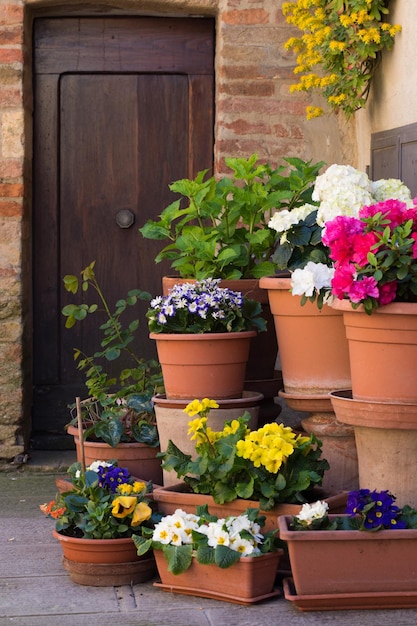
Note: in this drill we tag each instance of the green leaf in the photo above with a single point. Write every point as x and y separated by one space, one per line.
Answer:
225 557
179 558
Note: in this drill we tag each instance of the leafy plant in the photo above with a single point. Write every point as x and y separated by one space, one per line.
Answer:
126 414
219 228
204 307
104 503
339 49
366 510
183 536
272 464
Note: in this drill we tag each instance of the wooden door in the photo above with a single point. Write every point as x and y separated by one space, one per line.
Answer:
123 107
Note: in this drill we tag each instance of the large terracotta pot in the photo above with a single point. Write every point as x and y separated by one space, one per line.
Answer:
249 580
383 351
208 365
172 422
263 347
386 443
179 497
138 458
351 561
104 562
312 344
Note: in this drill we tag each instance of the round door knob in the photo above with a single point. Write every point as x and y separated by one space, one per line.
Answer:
125 218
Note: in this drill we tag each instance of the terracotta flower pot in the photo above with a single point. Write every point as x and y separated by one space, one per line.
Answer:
263 347
179 497
312 344
172 422
384 432
138 458
208 365
104 562
383 351
249 580
351 561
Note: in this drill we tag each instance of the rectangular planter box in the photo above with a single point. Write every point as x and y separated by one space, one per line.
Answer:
351 561
179 497
249 580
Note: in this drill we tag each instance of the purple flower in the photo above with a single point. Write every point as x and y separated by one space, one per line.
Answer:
112 477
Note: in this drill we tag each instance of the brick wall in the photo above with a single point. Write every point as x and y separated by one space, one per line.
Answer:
254 113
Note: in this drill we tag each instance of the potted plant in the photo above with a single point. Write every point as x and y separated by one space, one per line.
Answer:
375 287
272 468
94 523
118 416
363 559
202 333
219 228
189 549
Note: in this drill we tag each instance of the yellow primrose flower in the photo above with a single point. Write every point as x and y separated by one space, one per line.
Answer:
209 404
139 487
193 408
141 513
196 426
124 489
123 506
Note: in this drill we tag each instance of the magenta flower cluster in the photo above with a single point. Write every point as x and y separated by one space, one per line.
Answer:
374 254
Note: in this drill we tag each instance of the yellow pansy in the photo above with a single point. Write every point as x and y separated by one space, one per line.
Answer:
123 506
141 513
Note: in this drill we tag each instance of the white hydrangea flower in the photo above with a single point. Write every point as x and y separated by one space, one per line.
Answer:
310 512
339 176
385 189
282 221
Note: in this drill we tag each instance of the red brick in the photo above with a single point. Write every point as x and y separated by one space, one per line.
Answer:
12 35
248 88
246 16
11 55
11 14
243 127
14 190
11 169
10 208
10 96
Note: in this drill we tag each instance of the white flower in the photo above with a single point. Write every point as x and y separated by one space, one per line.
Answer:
385 189
94 466
244 546
282 221
313 277
310 512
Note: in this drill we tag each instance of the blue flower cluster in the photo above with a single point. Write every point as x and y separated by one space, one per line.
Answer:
112 477
202 307
376 508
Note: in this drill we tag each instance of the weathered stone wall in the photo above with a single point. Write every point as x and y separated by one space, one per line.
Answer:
254 113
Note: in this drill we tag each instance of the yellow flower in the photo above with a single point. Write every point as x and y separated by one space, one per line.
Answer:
139 487
123 506
124 489
196 426
141 513
193 408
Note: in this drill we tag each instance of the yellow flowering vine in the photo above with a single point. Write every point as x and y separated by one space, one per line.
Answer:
339 49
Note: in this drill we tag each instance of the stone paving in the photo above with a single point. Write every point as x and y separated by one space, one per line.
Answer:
35 590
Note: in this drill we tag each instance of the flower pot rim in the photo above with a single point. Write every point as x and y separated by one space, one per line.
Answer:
345 395
248 399
202 336
98 542
287 534
393 308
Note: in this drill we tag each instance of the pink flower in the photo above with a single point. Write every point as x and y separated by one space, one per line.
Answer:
364 288
339 236
343 279
394 211
361 246
387 293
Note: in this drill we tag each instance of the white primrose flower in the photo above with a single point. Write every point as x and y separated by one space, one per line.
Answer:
243 546
310 512
94 467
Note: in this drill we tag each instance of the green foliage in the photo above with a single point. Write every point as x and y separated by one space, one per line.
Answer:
219 471
223 232
127 414
339 48
193 540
